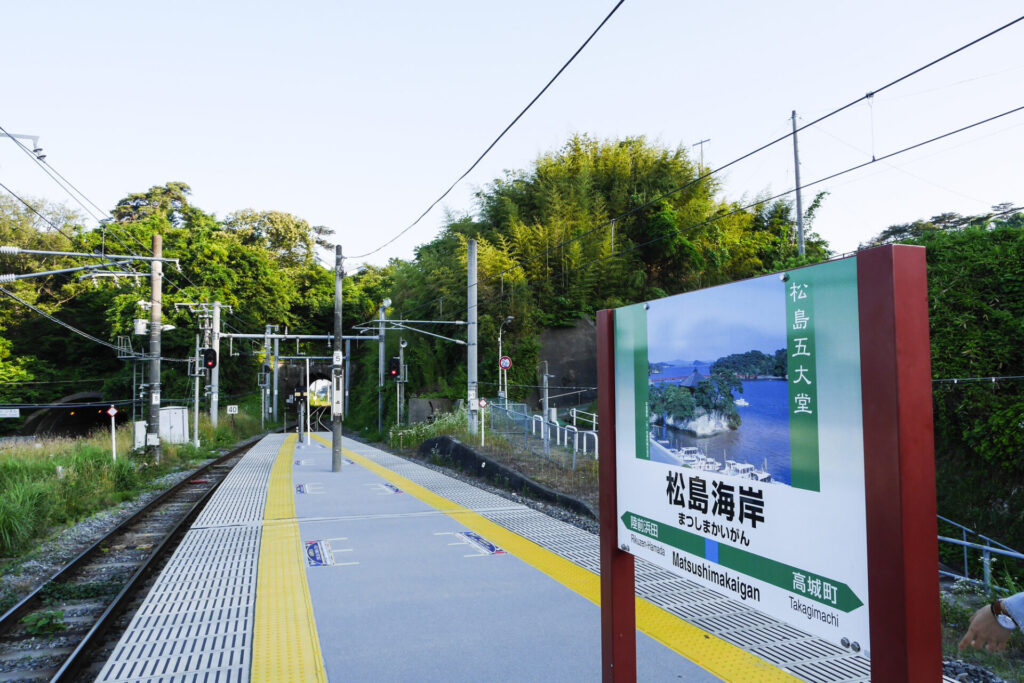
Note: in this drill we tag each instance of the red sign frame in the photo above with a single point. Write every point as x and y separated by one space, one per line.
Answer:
899 464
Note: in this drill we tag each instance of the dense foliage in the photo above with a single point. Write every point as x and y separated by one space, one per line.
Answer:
595 224
754 363
262 265
976 309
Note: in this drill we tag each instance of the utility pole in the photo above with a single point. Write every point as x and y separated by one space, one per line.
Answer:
700 170
153 426
799 203
471 347
336 367
215 372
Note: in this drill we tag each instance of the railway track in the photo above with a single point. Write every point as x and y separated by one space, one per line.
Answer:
57 632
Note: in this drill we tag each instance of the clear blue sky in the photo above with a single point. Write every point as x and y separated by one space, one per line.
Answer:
358 115
703 325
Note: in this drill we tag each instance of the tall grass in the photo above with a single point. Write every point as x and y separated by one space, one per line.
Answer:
59 481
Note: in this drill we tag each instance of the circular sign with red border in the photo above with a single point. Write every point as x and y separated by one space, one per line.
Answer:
504 362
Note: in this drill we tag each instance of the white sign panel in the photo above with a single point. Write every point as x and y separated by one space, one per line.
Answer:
10 412
232 410
739 445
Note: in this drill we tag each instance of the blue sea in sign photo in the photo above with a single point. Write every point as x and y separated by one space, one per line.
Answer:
742 327
763 435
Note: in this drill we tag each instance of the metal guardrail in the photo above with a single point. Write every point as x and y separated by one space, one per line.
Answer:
558 443
987 550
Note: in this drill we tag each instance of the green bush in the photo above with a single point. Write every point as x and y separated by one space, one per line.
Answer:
21 514
126 476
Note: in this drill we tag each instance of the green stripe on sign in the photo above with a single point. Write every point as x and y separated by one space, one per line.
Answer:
802 376
805 584
631 348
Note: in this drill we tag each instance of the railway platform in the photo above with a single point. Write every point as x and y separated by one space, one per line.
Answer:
393 571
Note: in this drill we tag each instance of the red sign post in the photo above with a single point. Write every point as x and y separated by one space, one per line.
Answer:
899 468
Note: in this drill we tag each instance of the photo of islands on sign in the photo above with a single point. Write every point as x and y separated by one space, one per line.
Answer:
717 388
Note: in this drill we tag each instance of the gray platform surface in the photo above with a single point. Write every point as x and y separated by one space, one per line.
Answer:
411 599
407 597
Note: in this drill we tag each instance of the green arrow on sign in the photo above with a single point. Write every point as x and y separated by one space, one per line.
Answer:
806 584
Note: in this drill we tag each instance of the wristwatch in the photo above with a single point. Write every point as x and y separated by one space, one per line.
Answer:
1004 619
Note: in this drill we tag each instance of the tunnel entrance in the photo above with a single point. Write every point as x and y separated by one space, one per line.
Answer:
83 414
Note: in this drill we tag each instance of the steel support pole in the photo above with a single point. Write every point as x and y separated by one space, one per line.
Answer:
401 379
215 372
276 388
195 408
348 370
155 322
471 346
307 401
380 372
336 420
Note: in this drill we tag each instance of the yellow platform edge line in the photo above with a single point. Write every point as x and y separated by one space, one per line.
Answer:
286 646
700 647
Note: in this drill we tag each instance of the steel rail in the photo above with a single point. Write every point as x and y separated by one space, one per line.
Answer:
76 661
12 616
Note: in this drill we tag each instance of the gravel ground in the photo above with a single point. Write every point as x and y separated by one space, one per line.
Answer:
955 669
22 577
959 670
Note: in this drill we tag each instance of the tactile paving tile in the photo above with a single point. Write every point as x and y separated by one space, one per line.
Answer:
800 654
196 624
242 495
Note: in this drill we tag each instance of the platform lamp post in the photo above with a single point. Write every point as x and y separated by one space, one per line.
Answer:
503 374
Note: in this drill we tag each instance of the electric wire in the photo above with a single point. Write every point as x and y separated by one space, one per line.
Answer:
35 211
47 168
779 195
43 166
500 136
80 332
867 96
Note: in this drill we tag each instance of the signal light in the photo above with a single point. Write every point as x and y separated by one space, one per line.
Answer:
394 367
209 358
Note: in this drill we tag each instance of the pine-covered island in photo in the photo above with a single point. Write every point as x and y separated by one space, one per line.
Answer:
728 412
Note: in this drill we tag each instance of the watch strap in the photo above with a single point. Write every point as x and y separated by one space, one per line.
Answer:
998 611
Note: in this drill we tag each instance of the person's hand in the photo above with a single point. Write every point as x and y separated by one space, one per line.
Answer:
985 633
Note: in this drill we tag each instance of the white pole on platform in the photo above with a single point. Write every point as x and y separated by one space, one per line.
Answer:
307 401
113 438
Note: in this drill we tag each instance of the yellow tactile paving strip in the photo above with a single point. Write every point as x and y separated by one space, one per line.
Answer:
700 647
285 642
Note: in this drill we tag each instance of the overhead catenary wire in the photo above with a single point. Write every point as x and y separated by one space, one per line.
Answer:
43 165
866 97
779 195
500 136
79 332
51 172
958 380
